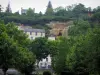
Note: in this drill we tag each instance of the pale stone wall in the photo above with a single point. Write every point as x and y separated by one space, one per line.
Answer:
33 35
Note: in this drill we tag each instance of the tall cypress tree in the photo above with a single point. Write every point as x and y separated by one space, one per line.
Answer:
49 10
1 8
8 8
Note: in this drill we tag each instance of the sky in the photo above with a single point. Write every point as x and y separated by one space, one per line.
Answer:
40 5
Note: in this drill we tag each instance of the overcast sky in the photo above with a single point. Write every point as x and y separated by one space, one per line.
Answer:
40 5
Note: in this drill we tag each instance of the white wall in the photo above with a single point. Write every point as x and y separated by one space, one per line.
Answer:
43 62
51 38
33 35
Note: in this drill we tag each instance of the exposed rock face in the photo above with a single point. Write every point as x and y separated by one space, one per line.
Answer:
59 28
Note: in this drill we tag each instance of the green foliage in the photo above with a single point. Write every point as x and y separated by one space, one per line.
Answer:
19 36
8 9
85 53
39 48
52 47
61 11
78 9
30 12
79 27
14 51
58 14
79 53
0 8
59 60
96 17
49 10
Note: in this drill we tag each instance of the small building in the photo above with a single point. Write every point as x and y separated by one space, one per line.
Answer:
52 37
35 33
32 33
45 63
23 11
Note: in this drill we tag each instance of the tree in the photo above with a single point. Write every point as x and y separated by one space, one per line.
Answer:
59 59
84 54
40 13
26 62
8 9
39 48
16 13
96 17
13 54
79 27
49 10
18 35
52 47
30 12
1 8
79 11
60 11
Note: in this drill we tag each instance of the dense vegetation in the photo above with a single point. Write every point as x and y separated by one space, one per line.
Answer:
58 14
14 48
78 54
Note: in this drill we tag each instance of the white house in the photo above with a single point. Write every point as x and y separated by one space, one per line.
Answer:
32 33
45 63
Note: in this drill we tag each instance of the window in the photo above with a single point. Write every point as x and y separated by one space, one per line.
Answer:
31 38
30 33
36 33
46 59
45 64
41 64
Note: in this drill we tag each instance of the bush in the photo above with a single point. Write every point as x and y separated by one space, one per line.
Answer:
46 73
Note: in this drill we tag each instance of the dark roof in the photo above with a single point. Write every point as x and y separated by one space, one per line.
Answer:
34 30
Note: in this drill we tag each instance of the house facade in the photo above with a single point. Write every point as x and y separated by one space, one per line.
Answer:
32 33
45 63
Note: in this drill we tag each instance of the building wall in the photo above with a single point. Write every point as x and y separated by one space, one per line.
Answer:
45 63
51 38
33 35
